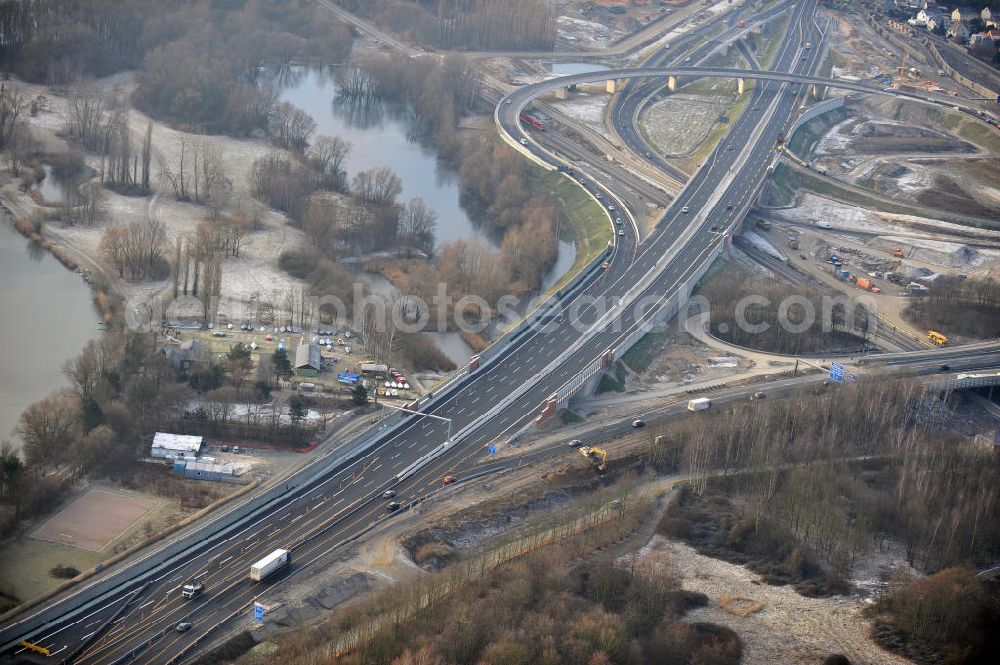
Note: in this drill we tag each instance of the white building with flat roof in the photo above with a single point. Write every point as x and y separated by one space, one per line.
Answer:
172 446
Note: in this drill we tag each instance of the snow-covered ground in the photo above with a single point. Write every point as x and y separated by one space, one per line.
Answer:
763 244
834 140
255 271
587 34
586 108
811 208
944 249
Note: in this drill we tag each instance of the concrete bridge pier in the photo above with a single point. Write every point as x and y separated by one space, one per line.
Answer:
672 83
561 93
612 86
741 86
818 92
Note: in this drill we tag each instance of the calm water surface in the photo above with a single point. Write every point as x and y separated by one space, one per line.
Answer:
48 317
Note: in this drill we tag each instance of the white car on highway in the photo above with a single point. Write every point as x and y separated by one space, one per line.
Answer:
685 209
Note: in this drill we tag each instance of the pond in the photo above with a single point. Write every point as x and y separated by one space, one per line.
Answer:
48 319
571 68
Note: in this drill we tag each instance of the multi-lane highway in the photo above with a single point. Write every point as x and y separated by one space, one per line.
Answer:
492 403
137 617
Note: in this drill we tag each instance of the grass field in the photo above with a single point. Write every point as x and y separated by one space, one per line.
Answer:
588 223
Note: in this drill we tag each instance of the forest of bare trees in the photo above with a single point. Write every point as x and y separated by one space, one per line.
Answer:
197 62
841 474
554 605
137 250
950 617
770 315
959 306
100 125
470 25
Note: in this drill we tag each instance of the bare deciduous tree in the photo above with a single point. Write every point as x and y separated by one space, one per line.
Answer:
327 155
291 127
378 187
13 105
47 429
416 227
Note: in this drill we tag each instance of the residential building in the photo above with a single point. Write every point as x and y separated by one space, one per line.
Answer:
174 446
186 355
925 16
942 22
964 14
989 37
959 32
990 15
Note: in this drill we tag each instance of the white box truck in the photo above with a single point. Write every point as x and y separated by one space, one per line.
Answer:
274 561
699 404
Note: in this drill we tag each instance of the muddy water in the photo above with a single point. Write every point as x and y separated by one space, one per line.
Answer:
48 317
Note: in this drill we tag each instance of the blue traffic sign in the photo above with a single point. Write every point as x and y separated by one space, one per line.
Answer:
258 612
836 372
492 449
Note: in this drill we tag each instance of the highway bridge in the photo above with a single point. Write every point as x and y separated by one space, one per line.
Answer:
129 612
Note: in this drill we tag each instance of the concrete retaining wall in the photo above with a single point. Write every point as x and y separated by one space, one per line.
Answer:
815 111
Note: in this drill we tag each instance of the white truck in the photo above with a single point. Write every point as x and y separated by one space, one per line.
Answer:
699 404
192 590
274 561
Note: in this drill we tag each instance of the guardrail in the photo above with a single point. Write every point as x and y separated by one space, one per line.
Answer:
362 443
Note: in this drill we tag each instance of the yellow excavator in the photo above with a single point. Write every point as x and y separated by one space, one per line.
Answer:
597 456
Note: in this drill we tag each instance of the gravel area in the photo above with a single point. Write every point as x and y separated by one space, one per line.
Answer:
789 628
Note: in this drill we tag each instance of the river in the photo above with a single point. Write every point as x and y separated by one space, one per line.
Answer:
380 137
49 319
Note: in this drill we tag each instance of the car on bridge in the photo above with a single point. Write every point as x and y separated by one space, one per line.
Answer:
685 209
388 494
183 627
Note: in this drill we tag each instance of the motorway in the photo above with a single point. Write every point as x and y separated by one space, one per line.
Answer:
135 620
318 521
